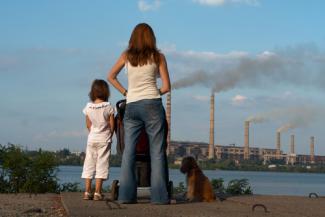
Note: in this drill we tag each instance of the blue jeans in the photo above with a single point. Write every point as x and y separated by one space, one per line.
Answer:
148 113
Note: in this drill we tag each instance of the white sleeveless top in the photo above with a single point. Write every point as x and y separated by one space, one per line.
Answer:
142 82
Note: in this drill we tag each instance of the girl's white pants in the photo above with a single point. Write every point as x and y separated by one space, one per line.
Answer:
96 161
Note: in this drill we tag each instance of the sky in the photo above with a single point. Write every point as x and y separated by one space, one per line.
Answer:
263 59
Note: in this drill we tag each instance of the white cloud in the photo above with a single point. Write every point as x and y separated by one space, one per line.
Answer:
265 55
210 2
239 100
287 94
225 71
201 98
167 47
58 135
217 3
146 6
189 61
33 58
183 63
209 56
7 62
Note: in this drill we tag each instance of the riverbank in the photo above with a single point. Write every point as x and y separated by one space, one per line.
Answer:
52 205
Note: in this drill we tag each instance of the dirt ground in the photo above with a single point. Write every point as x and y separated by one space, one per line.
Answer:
31 205
239 206
71 204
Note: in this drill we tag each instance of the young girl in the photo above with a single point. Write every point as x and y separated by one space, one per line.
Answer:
100 123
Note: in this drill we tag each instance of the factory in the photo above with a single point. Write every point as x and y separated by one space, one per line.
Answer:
208 151
200 151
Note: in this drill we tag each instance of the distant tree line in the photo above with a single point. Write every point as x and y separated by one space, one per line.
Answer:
65 157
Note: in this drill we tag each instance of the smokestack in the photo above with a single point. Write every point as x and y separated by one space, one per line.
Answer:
312 149
292 144
168 116
211 144
292 157
278 145
246 140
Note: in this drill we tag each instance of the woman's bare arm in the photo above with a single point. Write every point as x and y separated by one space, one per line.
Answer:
112 75
164 75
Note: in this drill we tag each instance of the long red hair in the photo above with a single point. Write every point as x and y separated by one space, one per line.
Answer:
142 47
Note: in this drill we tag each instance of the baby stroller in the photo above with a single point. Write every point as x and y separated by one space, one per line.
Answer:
143 165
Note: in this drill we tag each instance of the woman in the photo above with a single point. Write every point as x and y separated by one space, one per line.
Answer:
144 63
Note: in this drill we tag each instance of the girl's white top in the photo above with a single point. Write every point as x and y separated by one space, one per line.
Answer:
142 82
99 114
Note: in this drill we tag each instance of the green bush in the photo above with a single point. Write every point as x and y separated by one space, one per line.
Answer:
238 187
217 185
41 175
180 188
4 182
31 172
70 187
15 166
27 174
234 187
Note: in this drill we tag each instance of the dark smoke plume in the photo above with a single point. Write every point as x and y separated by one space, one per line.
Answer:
302 66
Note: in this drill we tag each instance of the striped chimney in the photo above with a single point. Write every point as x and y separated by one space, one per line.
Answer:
246 140
168 116
278 145
312 149
211 143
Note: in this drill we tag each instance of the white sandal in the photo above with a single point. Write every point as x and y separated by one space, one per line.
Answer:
98 196
87 196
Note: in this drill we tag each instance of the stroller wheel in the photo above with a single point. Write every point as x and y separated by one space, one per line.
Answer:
170 189
114 190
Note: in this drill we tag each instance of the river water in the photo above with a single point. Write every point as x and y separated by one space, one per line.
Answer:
267 183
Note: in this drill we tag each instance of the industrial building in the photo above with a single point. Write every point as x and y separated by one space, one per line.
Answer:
200 151
208 151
